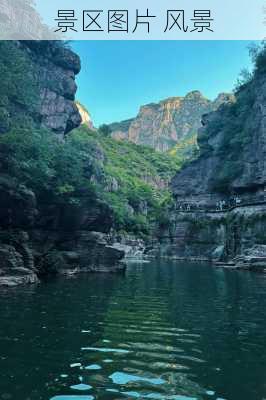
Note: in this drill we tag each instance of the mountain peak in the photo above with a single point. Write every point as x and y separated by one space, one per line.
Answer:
194 94
162 125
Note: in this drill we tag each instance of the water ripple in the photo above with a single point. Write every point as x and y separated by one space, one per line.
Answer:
163 332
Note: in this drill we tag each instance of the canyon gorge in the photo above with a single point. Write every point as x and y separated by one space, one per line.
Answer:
69 200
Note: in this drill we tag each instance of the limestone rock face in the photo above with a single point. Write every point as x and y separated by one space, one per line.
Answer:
233 148
85 116
54 69
253 258
16 259
162 125
42 238
83 251
230 169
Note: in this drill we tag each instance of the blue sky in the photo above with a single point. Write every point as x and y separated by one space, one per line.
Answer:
119 76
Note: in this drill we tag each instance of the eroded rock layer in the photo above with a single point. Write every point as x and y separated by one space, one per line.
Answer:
162 125
220 198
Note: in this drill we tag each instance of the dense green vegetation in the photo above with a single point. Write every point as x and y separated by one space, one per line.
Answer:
31 156
18 87
186 149
132 179
46 165
135 182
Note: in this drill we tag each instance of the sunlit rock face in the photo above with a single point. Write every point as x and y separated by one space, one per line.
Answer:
162 125
85 116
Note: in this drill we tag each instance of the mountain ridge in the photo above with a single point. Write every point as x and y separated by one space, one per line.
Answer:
162 125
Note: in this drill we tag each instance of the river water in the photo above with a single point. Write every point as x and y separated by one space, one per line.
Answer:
162 331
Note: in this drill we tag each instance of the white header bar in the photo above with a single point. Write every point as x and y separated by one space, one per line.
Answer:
133 20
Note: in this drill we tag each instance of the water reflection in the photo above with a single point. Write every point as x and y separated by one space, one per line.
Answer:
121 378
164 331
73 398
93 367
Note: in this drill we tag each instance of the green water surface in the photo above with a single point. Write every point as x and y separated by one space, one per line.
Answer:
161 331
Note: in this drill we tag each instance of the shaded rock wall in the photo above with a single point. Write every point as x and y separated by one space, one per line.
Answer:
232 141
230 176
40 237
55 67
40 234
217 236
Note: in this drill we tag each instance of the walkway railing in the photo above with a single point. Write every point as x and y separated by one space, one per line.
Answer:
192 208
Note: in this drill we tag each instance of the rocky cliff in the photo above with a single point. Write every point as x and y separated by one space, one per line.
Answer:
55 67
39 85
220 209
85 116
162 125
51 218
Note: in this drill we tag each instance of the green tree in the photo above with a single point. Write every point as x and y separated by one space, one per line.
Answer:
105 130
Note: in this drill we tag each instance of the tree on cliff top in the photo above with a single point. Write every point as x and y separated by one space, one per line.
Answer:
18 87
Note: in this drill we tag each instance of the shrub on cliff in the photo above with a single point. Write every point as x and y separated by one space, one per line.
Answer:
135 180
258 54
105 130
18 86
45 164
